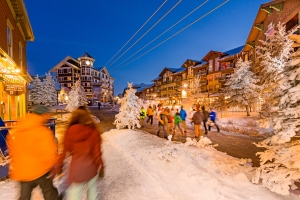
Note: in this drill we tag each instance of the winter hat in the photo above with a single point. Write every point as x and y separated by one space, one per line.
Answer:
39 109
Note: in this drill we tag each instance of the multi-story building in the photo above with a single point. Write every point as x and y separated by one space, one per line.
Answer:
268 16
15 32
97 83
216 67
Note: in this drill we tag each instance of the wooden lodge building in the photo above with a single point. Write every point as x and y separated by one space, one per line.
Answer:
216 67
97 83
15 32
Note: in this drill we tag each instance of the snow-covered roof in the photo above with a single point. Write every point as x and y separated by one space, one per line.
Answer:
232 52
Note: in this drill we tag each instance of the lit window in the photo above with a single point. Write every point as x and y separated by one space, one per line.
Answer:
21 55
9 33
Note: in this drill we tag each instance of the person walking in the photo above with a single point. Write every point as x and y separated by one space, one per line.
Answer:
150 114
33 153
205 118
169 120
82 142
143 115
99 105
213 117
198 119
177 121
162 122
183 118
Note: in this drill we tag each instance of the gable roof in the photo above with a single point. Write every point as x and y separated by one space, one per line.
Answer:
205 58
174 70
71 62
191 62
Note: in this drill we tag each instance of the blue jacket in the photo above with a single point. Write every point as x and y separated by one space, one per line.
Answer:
213 115
182 114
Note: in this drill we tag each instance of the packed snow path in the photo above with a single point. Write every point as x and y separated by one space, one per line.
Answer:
141 166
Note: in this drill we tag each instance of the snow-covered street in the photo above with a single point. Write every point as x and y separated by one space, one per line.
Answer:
142 166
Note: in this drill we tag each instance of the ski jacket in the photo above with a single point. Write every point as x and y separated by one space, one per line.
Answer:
83 144
205 115
143 114
213 115
182 114
150 112
197 117
162 117
177 119
32 148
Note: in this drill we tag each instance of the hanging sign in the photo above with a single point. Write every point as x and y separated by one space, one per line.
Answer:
14 88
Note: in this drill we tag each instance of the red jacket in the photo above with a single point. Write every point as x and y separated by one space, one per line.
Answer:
83 144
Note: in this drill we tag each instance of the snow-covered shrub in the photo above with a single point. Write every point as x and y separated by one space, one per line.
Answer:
129 112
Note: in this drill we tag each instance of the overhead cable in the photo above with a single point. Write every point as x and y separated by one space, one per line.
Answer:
177 32
147 31
138 30
162 33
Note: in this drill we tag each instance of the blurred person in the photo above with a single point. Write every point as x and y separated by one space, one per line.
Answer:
169 120
213 117
205 118
177 121
143 115
183 118
33 152
198 119
99 105
83 143
150 114
162 122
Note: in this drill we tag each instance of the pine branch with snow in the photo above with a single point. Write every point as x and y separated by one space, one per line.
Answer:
49 94
242 85
77 97
129 112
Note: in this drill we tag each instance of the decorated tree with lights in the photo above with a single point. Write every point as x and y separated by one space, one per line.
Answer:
242 86
36 93
49 94
76 97
129 112
194 94
280 163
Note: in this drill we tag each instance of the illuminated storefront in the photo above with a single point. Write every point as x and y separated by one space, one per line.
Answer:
12 90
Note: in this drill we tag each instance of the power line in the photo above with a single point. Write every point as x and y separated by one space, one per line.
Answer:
138 30
177 32
147 31
162 33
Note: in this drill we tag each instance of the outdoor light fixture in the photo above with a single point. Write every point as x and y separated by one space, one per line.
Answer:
88 62
185 85
3 57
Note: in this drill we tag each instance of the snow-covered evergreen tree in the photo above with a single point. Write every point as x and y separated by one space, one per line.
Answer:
242 85
280 163
129 112
49 96
274 55
76 97
36 93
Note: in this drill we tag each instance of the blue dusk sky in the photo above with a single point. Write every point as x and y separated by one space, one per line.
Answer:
102 27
